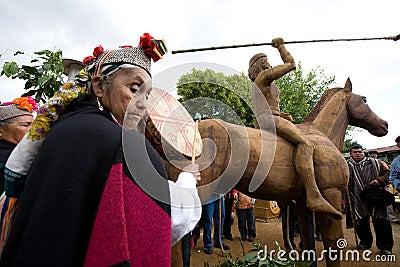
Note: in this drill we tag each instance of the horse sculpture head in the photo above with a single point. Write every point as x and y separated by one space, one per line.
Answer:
360 114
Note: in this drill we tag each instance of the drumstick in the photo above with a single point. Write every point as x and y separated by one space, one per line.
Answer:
196 119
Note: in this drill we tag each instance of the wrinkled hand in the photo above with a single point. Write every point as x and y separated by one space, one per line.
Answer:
276 42
193 168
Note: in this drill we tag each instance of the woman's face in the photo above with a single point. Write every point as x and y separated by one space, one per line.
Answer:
125 85
15 130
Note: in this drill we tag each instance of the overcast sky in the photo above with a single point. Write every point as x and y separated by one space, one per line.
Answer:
76 27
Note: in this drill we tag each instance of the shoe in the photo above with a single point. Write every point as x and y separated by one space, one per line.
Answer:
251 239
243 238
386 252
319 238
225 246
208 251
396 222
362 247
296 234
229 238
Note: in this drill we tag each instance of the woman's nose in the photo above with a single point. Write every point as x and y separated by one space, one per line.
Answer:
141 102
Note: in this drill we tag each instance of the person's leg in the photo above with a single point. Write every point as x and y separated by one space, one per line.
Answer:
222 213
317 232
251 224
363 230
186 250
208 211
392 215
241 216
384 234
228 218
217 222
292 221
285 227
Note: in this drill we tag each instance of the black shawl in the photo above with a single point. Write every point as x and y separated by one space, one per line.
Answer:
64 187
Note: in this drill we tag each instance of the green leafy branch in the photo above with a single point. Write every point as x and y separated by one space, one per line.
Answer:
254 260
43 78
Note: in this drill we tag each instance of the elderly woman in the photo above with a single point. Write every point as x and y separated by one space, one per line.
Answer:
97 194
15 120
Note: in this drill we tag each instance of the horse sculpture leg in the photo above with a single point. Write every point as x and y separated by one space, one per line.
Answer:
331 229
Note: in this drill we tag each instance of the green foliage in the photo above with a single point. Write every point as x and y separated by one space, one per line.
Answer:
43 78
349 143
217 95
299 94
253 260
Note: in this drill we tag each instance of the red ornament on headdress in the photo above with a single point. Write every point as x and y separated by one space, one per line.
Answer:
96 52
152 47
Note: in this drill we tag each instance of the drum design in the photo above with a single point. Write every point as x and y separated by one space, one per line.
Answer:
170 127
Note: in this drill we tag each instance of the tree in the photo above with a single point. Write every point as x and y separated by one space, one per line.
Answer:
300 94
217 95
349 143
43 78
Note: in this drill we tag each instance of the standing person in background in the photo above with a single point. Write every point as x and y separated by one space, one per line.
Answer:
394 179
15 120
245 215
365 173
395 169
211 211
373 154
97 193
392 215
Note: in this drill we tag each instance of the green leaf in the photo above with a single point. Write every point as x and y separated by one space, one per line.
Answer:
29 69
18 53
250 257
10 68
29 93
43 52
42 80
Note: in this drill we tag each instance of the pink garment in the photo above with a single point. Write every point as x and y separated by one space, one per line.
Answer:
129 226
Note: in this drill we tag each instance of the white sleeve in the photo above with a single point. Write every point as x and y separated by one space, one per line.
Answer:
185 205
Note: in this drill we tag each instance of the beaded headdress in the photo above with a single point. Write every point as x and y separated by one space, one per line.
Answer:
21 106
105 61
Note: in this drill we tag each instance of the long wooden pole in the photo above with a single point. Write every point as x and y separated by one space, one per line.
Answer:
394 38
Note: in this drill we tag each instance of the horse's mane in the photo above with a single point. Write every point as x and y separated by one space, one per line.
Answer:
321 103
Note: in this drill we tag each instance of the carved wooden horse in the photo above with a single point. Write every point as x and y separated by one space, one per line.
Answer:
239 154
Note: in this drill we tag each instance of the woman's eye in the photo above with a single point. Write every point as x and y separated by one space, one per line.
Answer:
134 89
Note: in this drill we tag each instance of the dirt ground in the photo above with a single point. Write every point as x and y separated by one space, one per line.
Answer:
271 231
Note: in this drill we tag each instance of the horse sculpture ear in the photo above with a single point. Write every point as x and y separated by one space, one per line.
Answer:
348 87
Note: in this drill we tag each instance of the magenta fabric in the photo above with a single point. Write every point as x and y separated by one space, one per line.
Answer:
129 226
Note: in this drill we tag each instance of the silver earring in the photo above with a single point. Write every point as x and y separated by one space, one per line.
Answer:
99 104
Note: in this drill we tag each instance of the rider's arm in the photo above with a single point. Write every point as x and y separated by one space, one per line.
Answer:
288 61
